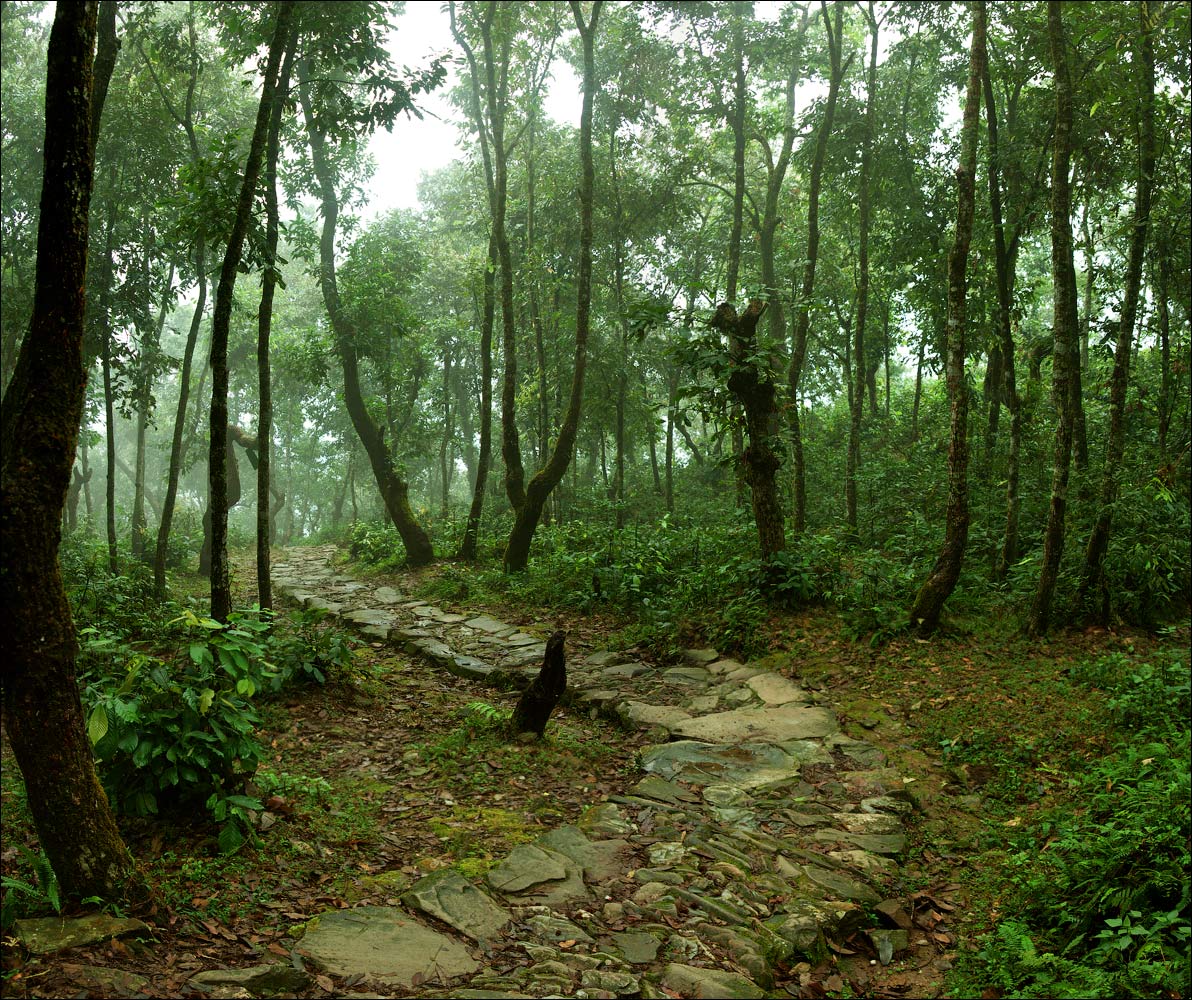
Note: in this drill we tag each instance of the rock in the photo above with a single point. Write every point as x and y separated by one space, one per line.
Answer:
647 875
691 981
604 658
386 944
527 865
700 657
722 667
371 616
483 623
892 910
666 854
687 675
744 766
448 896
638 947
619 984
600 860
666 716
840 885
654 787
774 689
887 942
260 980
320 604
625 670
103 981
386 595
605 820
759 725
45 935
548 927
891 844
876 823
702 704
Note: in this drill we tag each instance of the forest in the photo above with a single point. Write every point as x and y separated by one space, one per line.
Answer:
604 499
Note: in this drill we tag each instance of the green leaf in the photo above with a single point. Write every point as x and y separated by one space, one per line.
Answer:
199 653
230 838
246 687
205 700
97 724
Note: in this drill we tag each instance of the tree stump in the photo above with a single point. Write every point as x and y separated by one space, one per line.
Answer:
540 698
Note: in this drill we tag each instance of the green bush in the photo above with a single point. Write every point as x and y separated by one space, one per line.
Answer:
1100 893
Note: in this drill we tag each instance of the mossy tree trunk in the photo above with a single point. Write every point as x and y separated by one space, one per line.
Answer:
41 415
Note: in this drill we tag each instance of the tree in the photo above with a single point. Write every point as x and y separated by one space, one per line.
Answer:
925 613
802 322
1092 577
1064 322
41 414
527 513
221 591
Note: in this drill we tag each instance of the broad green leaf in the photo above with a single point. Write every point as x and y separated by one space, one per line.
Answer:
97 725
205 700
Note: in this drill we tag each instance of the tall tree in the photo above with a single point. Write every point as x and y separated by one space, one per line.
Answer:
802 321
42 411
394 490
853 462
1064 321
264 323
1092 577
929 602
217 500
535 494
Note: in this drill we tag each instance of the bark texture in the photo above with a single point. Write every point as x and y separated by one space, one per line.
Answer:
534 708
42 712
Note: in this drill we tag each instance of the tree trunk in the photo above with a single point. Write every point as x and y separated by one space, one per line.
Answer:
221 589
1064 323
517 550
1093 576
41 414
754 388
1004 268
929 603
393 489
853 464
802 322
467 549
446 459
264 323
110 445
1165 387
534 707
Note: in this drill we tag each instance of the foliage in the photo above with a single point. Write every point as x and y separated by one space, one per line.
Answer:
1100 892
23 897
180 730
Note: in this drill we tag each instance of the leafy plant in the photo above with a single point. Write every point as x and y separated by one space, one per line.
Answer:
22 896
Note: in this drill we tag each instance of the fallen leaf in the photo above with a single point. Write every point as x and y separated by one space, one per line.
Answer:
325 984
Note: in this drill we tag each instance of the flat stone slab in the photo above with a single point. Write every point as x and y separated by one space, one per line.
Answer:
371 616
760 725
384 943
386 595
278 979
687 675
774 689
700 657
104 981
691 981
638 947
748 765
318 603
600 859
666 716
448 896
484 623
527 865
625 670
45 935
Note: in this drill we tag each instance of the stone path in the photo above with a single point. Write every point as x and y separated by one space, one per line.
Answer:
758 833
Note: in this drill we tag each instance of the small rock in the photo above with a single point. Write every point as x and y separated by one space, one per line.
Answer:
45 935
887 943
260 980
892 910
700 657
638 947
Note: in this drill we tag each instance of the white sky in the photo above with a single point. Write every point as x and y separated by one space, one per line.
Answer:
418 146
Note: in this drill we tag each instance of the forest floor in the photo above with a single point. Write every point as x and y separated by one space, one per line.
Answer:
984 723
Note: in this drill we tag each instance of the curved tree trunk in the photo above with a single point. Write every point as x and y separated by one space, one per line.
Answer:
1064 323
395 492
41 415
1092 577
517 550
929 603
